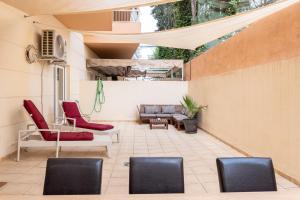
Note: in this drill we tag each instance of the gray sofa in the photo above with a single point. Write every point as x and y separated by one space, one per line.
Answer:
173 113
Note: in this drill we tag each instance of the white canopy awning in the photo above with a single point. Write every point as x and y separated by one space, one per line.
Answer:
193 36
55 7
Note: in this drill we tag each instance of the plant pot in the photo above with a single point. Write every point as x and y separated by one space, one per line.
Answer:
190 125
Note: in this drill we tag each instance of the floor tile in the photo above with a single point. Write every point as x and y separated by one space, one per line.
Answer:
199 152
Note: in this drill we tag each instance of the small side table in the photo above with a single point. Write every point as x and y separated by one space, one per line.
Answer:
157 122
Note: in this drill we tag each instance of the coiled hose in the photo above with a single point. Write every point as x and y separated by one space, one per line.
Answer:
99 99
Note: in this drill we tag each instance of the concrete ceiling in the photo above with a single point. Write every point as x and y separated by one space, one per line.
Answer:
113 50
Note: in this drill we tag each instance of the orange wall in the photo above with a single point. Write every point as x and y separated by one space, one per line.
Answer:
251 86
187 71
88 21
274 38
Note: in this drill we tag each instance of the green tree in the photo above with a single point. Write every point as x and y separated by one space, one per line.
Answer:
188 12
173 15
165 16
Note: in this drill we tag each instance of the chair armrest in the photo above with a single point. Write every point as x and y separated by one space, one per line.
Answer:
86 116
30 125
69 118
52 130
138 109
56 125
29 132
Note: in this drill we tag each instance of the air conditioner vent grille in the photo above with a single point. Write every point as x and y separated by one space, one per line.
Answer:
51 47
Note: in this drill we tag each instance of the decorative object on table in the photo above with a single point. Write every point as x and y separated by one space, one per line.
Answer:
192 109
158 121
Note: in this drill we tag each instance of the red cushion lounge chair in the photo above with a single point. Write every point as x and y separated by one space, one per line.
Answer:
55 137
75 118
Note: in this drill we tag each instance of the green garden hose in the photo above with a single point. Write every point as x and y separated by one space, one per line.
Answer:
100 98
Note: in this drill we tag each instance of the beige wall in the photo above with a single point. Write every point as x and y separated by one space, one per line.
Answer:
251 86
77 61
126 27
20 80
122 97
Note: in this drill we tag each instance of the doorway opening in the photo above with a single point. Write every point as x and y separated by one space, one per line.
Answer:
59 92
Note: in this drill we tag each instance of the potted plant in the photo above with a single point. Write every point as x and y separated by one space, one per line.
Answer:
192 109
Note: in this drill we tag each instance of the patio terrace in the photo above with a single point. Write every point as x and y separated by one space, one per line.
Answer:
199 152
250 83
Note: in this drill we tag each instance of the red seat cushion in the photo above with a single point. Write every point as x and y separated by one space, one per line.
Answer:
41 123
71 111
37 117
71 136
94 126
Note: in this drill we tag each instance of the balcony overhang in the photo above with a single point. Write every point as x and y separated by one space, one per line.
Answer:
113 50
101 21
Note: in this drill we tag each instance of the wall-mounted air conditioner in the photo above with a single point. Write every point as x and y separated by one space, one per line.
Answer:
53 46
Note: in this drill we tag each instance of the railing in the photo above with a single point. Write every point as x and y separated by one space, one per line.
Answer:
126 15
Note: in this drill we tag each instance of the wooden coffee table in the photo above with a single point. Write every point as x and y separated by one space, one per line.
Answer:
159 121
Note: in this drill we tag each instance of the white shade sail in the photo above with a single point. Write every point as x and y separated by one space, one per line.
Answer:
193 36
54 7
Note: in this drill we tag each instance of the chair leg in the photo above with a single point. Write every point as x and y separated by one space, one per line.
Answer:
108 149
18 153
118 137
57 151
19 147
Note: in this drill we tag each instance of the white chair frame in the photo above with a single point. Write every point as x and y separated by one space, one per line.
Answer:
26 140
111 133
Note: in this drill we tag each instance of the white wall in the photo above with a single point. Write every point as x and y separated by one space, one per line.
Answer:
122 97
77 61
20 80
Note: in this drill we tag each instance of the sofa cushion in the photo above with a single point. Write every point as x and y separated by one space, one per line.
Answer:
152 109
168 109
164 115
145 115
179 117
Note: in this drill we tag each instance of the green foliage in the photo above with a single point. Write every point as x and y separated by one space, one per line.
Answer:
165 16
232 7
172 53
191 106
180 14
174 15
